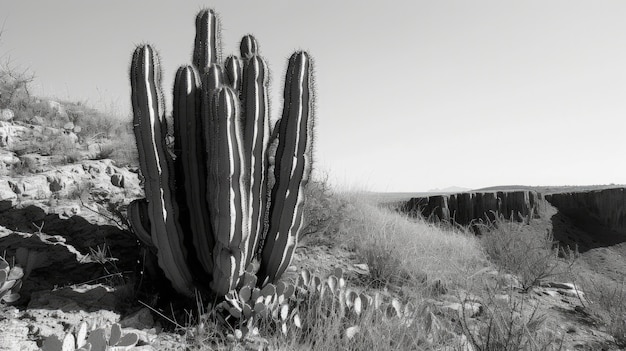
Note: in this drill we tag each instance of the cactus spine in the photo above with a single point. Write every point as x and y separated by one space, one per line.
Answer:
209 204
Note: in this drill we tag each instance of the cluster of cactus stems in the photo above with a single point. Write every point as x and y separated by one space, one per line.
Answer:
208 203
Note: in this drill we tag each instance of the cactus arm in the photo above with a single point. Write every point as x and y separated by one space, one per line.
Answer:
191 154
206 43
248 47
229 221
150 129
291 171
256 138
233 68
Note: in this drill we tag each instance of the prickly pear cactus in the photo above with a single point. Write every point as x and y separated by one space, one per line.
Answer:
208 203
10 282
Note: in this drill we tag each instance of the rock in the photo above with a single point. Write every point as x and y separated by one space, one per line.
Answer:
6 114
33 187
141 319
34 163
56 183
38 120
70 137
8 158
78 297
117 180
8 197
68 126
361 268
470 308
60 110
15 333
4 137
607 206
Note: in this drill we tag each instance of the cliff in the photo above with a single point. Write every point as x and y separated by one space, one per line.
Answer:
464 208
606 207
591 210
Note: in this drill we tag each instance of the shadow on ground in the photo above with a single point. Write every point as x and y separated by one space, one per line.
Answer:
71 259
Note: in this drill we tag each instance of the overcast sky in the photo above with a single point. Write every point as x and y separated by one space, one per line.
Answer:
411 95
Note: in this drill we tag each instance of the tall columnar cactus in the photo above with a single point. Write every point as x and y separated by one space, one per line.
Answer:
208 202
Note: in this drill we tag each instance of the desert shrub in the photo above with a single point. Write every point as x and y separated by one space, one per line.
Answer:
123 150
14 83
606 298
519 249
508 323
95 123
323 209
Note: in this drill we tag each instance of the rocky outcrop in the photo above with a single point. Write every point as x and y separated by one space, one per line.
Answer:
465 208
605 207
99 177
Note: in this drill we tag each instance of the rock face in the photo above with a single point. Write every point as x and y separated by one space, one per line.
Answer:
465 208
606 207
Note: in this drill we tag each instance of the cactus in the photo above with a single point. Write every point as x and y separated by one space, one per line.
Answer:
94 340
10 282
208 203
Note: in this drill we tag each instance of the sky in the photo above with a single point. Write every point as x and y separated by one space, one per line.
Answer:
410 95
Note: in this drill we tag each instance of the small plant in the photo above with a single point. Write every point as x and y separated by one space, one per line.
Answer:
96 340
10 282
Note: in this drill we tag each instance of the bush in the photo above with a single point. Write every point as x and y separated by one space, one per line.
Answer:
519 249
606 298
508 323
323 209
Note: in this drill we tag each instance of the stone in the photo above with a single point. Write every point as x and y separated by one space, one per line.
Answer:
56 183
6 114
60 109
68 126
141 319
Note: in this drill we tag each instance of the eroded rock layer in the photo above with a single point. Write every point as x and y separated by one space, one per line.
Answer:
465 208
606 207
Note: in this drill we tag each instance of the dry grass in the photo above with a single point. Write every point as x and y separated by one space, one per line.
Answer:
400 250
606 299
